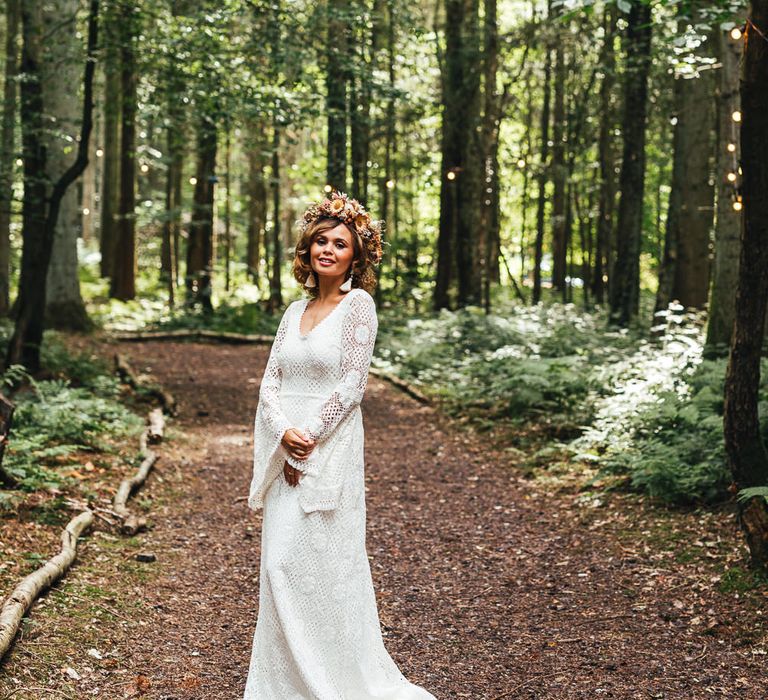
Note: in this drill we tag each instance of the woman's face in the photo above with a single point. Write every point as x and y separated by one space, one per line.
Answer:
332 252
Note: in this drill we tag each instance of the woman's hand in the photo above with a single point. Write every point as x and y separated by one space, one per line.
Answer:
298 445
291 474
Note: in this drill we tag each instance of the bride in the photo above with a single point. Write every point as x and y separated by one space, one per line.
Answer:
317 635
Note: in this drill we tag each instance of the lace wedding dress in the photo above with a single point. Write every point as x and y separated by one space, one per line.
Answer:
317 635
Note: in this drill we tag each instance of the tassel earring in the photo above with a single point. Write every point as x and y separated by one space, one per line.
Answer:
310 281
347 285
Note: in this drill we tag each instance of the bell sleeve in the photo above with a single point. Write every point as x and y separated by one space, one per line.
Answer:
358 338
270 423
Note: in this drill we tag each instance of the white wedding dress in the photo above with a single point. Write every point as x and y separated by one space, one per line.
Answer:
317 635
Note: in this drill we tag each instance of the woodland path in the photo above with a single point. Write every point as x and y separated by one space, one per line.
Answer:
486 588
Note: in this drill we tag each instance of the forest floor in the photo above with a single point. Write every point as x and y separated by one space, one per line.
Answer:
490 584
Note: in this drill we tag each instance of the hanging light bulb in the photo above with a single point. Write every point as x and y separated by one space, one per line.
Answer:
99 152
144 168
731 147
735 33
736 116
737 205
521 163
451 175
193 181
327 188
731 177
390 184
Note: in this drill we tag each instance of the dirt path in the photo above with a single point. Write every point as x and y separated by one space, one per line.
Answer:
487 589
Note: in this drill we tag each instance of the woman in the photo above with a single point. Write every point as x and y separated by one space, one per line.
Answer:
317 636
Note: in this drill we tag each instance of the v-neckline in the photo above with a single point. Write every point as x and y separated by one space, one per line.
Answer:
322 320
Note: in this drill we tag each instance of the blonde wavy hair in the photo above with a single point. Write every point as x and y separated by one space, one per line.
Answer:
363 262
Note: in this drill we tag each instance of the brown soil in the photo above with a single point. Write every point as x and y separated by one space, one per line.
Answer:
489 585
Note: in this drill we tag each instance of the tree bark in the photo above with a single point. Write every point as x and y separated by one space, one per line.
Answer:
684 272
110 185
462 165
336 80
200 242
722 305
747 454
62 58
559 173
542 178
123 281
8 147
607 198
41 209
625 289
257 205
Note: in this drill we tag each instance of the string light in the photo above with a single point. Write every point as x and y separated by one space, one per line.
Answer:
737 205
327 188
86 211
736 33
731 177
521 163
193 181
19 162
736 116
451 175
731 147
390 184
99 153
144 168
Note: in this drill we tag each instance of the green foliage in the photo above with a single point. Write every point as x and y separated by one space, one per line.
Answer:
516 366
676 450
754 492
56 418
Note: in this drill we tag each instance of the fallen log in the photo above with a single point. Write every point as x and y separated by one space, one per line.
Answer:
403 385
183 334
30 587
156 426
126 373
133 523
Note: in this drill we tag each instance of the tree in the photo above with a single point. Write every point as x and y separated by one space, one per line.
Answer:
625 287
62 58
684 272
607 196
461 168
41 202
123 268
747 454
722 305
336 81
8 147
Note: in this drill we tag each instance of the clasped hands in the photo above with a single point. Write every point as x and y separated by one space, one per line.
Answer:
298 446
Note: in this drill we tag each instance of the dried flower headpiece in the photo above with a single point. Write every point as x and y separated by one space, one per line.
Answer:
349 211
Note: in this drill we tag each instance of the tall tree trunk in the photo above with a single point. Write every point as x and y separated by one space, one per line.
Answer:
462 166
275 284
336 80
747 454
200 242
722 305
60 67
8 147
491 121
41 208
110 185
257 205
542 177
607 199
123 280
684 272
625 289
559 173
388 183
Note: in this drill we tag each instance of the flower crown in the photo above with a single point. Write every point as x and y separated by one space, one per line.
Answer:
341 206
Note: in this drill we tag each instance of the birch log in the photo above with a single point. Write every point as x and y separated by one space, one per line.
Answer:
30 587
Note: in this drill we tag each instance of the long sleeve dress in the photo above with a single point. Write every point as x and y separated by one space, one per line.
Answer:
317 634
